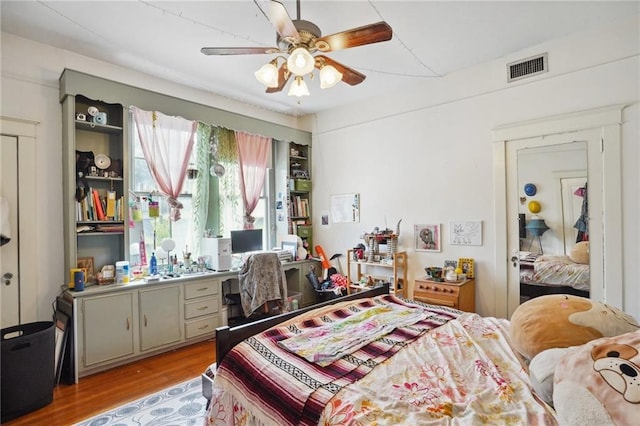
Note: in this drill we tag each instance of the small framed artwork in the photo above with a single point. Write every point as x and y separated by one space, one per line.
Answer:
427 237
60 342
465 233
466 264
291 247
86 263
450 264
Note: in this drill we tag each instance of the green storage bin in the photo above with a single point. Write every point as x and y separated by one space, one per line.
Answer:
304 231
302 185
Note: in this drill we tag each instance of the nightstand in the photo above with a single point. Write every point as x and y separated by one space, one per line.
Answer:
459 295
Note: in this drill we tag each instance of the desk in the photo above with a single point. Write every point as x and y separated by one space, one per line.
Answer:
116 324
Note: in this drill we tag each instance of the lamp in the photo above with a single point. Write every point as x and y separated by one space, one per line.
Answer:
300 61
298 87
329 76
537 227
268 74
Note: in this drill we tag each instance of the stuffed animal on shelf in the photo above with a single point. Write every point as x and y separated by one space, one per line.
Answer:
302 253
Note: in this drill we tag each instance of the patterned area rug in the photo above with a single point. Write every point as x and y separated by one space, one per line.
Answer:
180 405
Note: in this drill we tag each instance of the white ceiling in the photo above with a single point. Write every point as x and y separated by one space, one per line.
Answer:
430 40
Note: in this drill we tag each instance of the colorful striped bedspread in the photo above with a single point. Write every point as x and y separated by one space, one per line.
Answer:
425 373
280 387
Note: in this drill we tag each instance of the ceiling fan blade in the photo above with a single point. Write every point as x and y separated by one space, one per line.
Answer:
277 14
349 75
238 50
368 34
283 77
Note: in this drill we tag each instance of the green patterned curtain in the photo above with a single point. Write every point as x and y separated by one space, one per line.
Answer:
201 185
230 197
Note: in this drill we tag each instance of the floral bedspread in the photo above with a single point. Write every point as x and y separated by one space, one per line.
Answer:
462 373
561 270
440 371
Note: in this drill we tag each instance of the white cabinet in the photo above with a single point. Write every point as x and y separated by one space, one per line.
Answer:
115 325
159 316
107 328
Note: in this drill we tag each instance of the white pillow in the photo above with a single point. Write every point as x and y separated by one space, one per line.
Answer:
541 371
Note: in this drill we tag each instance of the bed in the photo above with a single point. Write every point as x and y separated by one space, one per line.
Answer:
434 365
542 274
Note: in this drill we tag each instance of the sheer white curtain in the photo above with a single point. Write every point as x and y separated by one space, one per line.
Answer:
253 154
166 145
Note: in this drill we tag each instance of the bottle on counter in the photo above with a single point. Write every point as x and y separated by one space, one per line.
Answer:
153 265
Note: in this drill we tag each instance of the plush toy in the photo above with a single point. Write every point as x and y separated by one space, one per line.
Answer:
599 382
301 253
561 321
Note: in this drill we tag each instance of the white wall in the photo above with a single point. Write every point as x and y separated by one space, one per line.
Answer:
426 156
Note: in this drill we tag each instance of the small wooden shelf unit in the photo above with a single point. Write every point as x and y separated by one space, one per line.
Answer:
379 271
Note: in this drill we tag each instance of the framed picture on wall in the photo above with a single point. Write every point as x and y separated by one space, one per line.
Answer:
427 237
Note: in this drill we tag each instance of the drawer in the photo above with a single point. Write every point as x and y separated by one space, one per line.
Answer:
434 289
304 231
201 288
200 307
201 326
302 185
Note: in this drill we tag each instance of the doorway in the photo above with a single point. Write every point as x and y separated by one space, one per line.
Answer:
600 129
19 295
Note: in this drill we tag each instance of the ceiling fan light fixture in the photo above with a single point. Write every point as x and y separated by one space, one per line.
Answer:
299 88
268 74
329 76
300 61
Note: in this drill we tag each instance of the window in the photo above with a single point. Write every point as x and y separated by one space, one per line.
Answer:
152 230
224 195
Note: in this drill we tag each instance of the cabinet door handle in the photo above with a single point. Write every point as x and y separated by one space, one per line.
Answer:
203 288
203 327
145 320
128 324
202 308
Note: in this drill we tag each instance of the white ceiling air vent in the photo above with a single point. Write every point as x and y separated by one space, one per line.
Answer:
527 67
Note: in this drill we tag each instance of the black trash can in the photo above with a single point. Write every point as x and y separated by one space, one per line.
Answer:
27 368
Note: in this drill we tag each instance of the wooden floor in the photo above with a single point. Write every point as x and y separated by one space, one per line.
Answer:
102 391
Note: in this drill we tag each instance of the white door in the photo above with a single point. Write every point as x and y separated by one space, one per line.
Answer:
9 252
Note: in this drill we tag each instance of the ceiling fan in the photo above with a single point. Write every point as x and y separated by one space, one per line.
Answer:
300 40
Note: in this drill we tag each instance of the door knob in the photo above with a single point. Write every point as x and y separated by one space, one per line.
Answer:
7 278
514 260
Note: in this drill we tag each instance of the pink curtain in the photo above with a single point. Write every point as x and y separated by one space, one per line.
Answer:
166 145
253 153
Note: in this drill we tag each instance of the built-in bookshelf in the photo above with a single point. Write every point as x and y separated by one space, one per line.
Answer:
294 178
95 187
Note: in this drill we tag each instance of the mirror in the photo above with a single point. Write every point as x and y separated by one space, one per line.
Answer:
552 195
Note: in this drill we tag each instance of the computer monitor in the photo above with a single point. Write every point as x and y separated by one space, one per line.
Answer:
246 240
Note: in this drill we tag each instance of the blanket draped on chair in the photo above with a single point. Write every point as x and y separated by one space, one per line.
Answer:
262 279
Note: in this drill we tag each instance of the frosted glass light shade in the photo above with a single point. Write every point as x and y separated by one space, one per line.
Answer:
329 76
298 88
300 61
268 75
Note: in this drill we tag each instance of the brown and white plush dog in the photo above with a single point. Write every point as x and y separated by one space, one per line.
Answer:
613 362
598 383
